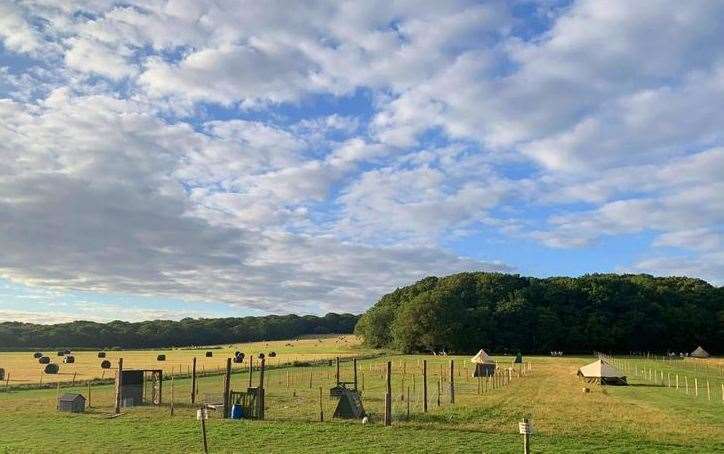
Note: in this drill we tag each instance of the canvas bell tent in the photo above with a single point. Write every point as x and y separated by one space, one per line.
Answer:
484 364
699 353
601 372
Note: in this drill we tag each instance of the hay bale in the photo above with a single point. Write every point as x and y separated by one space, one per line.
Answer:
237 353
68 359
261 355
209 354
67 352
161 358
51 368
586 390
105 364
44 360
238 359
61 353
272 354
37 355
101 354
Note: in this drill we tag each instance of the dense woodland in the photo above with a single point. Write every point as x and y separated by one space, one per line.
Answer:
166 333
500 312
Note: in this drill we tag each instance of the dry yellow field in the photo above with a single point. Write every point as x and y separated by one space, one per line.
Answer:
22 368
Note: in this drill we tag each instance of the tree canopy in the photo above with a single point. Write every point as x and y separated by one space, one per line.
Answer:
464 312
167 333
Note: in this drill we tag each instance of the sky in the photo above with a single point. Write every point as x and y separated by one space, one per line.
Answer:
189 158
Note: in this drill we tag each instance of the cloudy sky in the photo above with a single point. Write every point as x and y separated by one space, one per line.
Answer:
188 158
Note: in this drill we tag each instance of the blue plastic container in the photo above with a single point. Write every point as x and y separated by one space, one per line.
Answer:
236 412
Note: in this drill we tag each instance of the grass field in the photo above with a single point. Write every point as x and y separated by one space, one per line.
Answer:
23 369
643 417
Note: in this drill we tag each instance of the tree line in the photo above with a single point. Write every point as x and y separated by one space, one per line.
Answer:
167 333
464 312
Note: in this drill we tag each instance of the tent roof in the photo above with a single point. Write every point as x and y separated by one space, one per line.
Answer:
599 369
482 358
700 352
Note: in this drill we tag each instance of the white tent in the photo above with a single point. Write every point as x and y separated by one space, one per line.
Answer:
482 358
699 353
601 372
484 364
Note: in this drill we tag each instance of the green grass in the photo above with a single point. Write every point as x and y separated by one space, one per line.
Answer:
611 419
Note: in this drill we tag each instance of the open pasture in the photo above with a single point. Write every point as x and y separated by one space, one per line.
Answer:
23 369
642 417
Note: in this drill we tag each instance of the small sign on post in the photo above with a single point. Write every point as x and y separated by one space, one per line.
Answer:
525 429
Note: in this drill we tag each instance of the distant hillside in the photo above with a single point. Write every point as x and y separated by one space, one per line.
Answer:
604 312
166 333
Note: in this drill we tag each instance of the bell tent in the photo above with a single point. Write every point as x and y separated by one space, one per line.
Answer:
484 364
601 372
699 353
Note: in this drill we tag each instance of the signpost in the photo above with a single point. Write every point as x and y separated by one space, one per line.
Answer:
525 429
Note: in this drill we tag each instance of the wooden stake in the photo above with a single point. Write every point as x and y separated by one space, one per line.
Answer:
193 380
172 394
424 385
452 381
89 396
321 408
354 366
227 388
388 396
119 385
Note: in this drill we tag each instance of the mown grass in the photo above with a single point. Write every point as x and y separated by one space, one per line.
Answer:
608 419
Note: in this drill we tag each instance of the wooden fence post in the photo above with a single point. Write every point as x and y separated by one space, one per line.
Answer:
193 380
119 384
354 366
388 396
452 381
424 385
227 386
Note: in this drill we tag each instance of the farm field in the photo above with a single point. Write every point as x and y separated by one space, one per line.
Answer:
23 369
645 417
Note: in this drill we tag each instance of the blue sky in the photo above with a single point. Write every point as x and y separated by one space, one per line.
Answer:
165 159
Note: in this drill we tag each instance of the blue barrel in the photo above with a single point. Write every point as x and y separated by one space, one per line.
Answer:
236 412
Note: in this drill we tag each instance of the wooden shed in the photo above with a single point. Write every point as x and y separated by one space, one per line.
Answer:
71 402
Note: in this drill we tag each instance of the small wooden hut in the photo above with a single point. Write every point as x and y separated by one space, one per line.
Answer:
71 402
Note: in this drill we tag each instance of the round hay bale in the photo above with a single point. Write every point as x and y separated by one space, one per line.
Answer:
209 354
44 360
272 354
161 358
61 353
68 359
105 364
67 352
101 354
37 355
238 359
237 353
51 368
261 355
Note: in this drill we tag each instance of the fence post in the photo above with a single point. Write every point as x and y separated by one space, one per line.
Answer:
119 384
424 385
193 380
227 385
452 381
388 396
